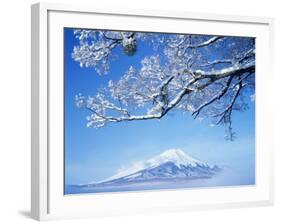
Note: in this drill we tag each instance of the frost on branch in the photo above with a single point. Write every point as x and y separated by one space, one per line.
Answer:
95 47
206 76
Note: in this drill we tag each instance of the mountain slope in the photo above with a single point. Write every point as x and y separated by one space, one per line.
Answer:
173 164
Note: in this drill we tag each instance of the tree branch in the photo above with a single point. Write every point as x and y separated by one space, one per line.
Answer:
188 89
206 43
214 98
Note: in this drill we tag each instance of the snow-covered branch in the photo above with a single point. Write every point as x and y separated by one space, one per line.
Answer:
163 98
203 75
205 43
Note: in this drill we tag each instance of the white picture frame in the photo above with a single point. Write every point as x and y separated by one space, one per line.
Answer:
47 199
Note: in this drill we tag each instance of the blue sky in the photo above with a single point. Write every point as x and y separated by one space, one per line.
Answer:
95 154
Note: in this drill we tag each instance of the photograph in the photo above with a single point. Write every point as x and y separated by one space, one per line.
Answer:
150 111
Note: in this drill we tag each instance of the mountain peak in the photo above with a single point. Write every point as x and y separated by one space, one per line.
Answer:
173 153
176 156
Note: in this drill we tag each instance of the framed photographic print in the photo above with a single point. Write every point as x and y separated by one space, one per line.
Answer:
146 111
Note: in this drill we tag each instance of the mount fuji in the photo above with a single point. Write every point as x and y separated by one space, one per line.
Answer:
172 165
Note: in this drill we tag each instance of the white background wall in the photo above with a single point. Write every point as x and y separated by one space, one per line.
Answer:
15 110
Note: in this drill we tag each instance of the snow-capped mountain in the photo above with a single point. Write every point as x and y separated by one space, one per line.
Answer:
170 165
